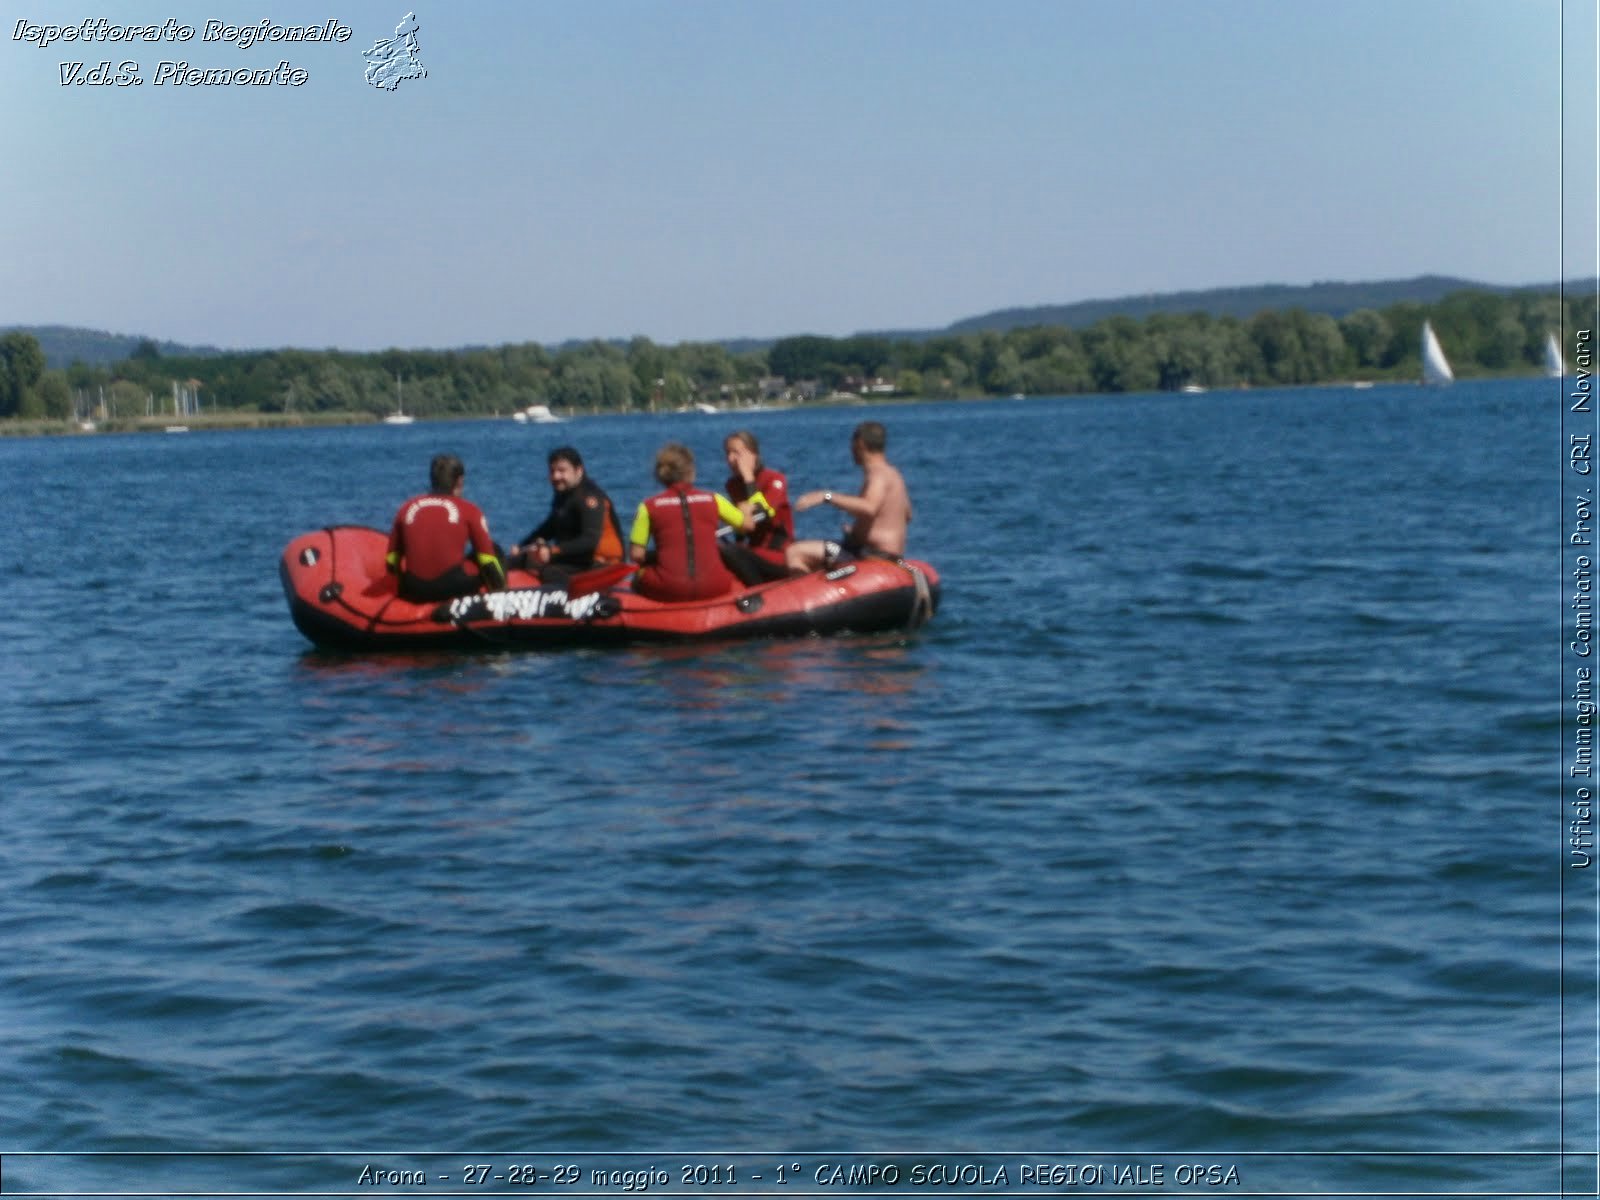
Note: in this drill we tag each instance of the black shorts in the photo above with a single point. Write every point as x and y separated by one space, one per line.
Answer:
836 553
457 581
748 567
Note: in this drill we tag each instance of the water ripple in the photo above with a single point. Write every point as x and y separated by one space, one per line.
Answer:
1203 814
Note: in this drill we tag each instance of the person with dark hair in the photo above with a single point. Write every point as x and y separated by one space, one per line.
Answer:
581 530
879 514
762 494
683 521
431 535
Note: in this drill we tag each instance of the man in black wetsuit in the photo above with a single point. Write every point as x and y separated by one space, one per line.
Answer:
581 531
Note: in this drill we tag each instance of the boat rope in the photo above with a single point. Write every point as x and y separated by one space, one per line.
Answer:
333 592
922 598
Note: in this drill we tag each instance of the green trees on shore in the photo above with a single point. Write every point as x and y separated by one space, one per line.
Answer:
1483 334
21 375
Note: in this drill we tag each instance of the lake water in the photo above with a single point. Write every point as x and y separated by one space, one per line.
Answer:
1215 819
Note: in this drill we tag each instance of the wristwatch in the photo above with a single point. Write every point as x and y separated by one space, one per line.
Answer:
827 497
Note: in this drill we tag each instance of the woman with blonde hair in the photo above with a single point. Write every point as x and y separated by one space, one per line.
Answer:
683 522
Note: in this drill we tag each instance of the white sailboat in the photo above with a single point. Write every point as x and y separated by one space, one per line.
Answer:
1435 367
399 416
1554 366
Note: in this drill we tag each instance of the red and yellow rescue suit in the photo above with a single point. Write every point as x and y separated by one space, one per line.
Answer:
683 520
430 536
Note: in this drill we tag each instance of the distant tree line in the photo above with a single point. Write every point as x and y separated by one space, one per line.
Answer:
1483 333
1334 298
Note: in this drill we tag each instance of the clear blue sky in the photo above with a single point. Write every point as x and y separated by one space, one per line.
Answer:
697 169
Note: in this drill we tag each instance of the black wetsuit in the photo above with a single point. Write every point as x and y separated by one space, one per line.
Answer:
582 528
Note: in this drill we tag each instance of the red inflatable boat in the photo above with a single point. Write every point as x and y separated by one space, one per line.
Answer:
340 596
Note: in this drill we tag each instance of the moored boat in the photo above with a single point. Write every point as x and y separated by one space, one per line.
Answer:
340 596
399 416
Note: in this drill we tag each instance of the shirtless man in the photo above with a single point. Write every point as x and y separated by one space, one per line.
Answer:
881 512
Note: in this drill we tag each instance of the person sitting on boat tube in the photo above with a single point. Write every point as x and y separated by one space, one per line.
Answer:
762 494
431 533
581 530
683 520
879 515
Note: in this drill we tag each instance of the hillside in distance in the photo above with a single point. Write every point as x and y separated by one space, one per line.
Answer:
1334 299
64 345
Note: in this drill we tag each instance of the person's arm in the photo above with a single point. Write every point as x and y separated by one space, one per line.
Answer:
639 537
490 569
581 546
758 502
540 533
776 495
391 560
865 505
730 512
780 513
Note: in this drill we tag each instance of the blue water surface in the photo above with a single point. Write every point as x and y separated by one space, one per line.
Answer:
1215 808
